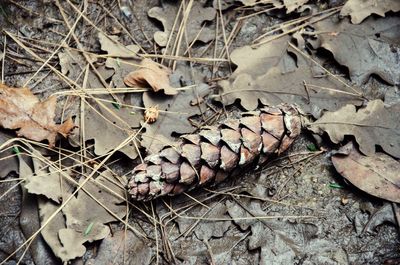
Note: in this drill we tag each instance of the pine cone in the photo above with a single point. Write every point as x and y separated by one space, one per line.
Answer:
215 152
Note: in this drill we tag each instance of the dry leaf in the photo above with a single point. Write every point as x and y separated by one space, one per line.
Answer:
123 58
283 79
108 131
255 2
292 5
73 62
115 49
151 74
109 124
47 181
373 125
197 16
258 61
377 174
66 233
159 134
46 209
20 109
360 9
369 48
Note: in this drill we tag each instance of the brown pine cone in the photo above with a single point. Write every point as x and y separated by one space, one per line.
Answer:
215 152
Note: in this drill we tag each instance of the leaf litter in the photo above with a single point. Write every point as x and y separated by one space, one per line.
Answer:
286 77
287 63
66 234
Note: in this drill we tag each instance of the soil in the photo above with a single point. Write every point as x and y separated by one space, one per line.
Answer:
315 216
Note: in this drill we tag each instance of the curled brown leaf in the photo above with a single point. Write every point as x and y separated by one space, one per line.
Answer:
151 74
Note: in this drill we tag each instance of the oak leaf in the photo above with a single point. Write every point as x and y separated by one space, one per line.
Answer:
360 9
194 30
20 109
376 124
370 48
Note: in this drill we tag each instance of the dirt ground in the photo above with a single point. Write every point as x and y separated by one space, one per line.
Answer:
295 210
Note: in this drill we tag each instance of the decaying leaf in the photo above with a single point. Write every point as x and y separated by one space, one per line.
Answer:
123 247
20 109
213 229
373 125
369 48
110 126
73 62
83 211
194 26
173 117
29 217
360 9
8 160
115 49
151 74
283 79
377 174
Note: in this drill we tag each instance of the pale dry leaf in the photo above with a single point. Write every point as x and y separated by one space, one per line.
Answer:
292 5
69 231
47 181
197 16
369 48
196 252
375 124
173 117
114 48
34 119
255 2
258 61
123 59
361 9
50 231
151 74
287 77
377 174
223 4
